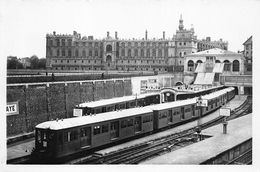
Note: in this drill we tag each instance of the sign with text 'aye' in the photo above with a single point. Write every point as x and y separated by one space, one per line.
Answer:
12 108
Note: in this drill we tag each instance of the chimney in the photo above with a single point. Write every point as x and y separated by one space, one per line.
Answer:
163 34
107 34
74 33
54 33
146 35
116 35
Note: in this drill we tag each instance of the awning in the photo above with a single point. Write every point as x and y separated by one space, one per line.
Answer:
204 79
218 68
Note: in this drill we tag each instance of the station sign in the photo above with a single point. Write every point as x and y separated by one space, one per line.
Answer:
224 111
202 102
77 112
12 108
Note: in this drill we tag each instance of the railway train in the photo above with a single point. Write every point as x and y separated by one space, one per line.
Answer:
61 138
128 102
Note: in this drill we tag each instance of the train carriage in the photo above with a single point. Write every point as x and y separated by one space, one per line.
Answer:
107 105
174 112
63 137
59 138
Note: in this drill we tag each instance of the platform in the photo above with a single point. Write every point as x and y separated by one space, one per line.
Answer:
234 103
239 130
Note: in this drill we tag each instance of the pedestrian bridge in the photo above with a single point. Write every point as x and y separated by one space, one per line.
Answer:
239 80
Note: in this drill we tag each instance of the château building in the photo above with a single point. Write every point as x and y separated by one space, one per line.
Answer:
73 52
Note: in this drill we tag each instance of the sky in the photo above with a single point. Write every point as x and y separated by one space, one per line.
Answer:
25 23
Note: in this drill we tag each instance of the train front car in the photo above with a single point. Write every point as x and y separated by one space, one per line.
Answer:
45 141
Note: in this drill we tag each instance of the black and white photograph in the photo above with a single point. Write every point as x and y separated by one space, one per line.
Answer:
112 85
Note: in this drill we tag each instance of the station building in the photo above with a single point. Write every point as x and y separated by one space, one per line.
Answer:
73 52
248 54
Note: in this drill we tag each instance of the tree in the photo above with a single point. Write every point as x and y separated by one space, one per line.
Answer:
34 62
42 63
13 63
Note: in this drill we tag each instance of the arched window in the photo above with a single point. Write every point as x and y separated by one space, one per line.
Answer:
142 44
69 53
154 53
199 61
96 53
160 53
50 52
166 53
76 53
84 53
129 53
58 42
63 43
148 52
180 54
190 65
235 66
136 52
154 44
226 65
123 44
58 53
63 52
90 53
123 52
148 44
109 48
217 61
96 44
69 42
129 44
51 43
142 52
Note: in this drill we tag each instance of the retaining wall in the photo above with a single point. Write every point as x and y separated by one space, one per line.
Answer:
39 102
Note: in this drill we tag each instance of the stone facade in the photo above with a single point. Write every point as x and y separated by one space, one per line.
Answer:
248 54
73 52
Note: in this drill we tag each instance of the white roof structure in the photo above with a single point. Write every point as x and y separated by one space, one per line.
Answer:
84 120
105 102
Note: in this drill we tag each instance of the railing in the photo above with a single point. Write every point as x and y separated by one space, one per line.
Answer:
236 80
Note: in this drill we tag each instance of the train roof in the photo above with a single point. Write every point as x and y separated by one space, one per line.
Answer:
105 102
189 101
84 120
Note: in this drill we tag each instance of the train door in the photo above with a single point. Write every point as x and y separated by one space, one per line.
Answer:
104 109
114 130
182 113
170 118
193 110
138 124
85 137
127 105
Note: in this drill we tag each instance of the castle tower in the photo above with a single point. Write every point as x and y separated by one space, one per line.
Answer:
181 23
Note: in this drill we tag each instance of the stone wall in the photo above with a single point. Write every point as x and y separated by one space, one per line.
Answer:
46 101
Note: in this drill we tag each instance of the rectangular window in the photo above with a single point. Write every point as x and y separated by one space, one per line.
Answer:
96 130
60 139
104 128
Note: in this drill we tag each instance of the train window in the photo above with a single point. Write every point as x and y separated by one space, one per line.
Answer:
44 135
60 139
122 106
187 110
98 111
123 124
132 104
73 135
104 128
66 136
151 118
96 130
39 136
130 122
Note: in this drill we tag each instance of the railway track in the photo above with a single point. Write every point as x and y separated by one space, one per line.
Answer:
141 152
